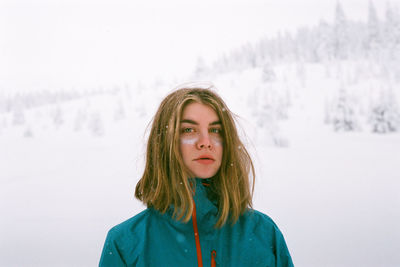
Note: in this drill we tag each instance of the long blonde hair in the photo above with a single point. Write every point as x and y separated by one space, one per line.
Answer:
165 178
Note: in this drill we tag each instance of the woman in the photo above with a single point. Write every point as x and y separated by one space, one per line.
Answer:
196 185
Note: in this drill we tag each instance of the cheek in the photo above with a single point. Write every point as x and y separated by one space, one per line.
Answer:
217 142
220 151
189 140
186 148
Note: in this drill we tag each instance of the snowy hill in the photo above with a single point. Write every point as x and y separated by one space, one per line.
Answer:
321 122
73 176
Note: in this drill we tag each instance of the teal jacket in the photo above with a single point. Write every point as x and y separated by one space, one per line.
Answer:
154 239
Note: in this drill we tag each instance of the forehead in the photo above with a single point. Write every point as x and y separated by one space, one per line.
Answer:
198 111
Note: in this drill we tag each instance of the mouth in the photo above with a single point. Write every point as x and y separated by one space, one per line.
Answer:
205 159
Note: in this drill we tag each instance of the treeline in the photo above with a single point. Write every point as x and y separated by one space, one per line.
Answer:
37 98
377 39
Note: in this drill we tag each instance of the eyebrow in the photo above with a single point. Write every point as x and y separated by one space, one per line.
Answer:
195 123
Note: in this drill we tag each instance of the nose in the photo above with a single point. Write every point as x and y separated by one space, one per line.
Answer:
204 141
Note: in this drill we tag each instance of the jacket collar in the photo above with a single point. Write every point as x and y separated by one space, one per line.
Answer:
206 210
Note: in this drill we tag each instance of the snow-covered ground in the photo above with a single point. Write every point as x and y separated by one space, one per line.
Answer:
69 170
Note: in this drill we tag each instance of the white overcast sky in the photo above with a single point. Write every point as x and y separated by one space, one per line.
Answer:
64 44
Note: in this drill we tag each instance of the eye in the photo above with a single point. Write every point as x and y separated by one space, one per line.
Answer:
216 130
187 130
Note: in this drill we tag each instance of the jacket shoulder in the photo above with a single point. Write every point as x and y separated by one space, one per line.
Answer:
133 225
125 241
264 227
258 218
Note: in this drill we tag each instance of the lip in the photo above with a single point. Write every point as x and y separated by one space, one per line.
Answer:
205 159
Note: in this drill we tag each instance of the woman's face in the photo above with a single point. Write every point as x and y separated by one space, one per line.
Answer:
201 143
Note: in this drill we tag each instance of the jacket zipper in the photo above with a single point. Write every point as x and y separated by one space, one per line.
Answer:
196 237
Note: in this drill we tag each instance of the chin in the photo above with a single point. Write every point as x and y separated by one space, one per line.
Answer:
204 175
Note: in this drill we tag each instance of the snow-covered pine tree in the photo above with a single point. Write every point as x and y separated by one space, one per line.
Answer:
391 37
384 115
58 117
391 32
249 59
268 73
18 116
323 50
340 34
119 112
373 42
343 116
221 65
28 133
96 125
